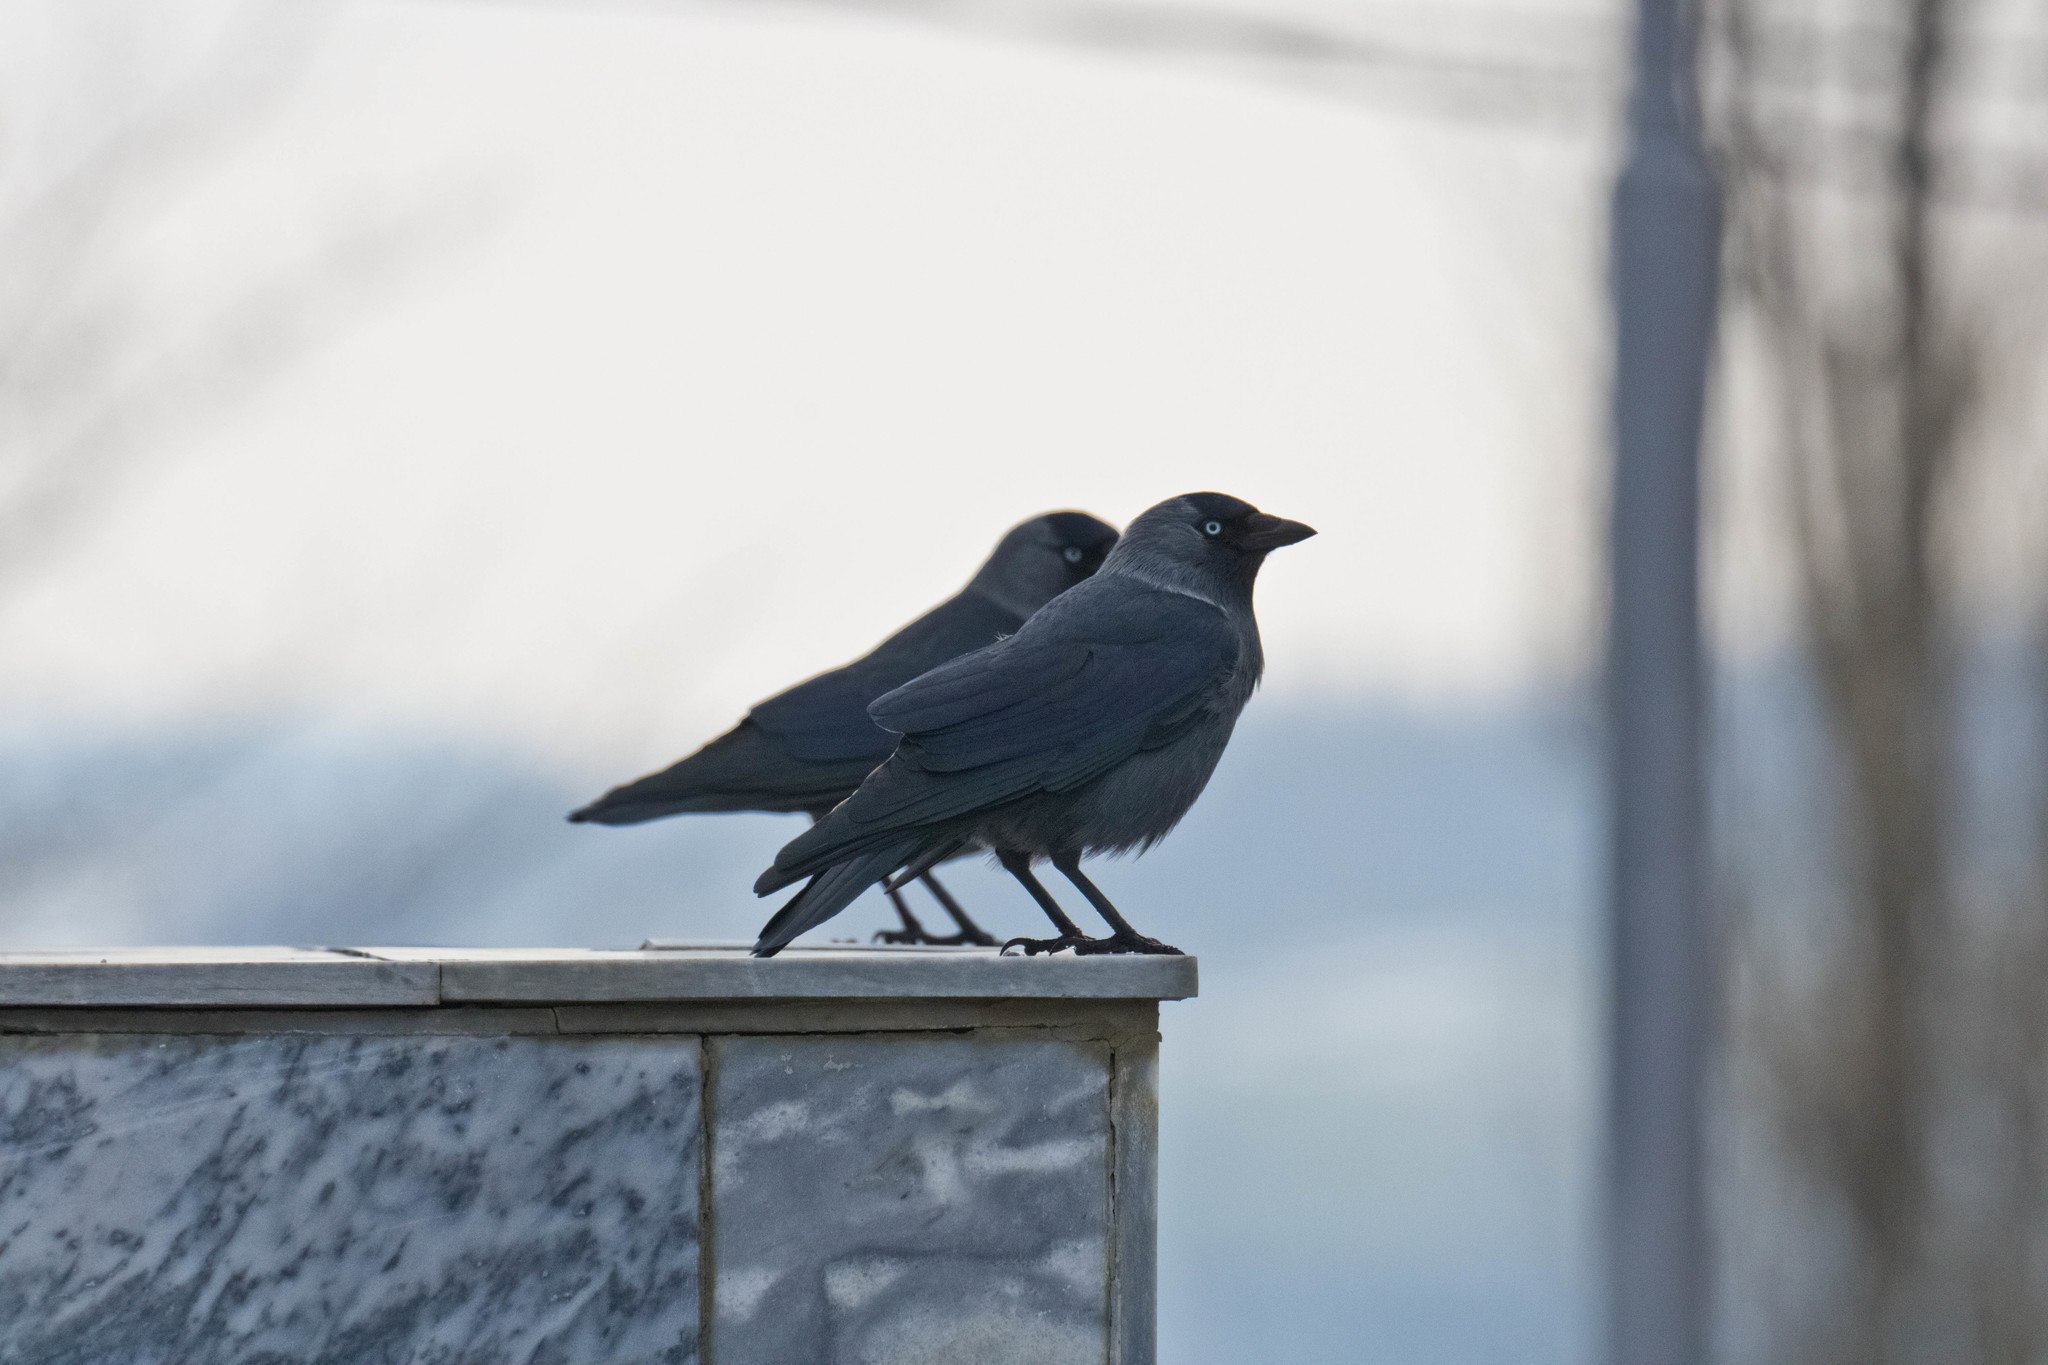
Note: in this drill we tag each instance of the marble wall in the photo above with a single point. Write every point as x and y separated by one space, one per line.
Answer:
954 1198
261 1199
429 1200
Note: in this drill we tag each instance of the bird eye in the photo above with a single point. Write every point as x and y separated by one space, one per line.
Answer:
1072 554
1212 528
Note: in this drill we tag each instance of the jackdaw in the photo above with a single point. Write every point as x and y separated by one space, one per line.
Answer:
807 748
1091 730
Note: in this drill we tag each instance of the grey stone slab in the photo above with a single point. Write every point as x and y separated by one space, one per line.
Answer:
369 1200
1085 1020
725 974
475 1020
1079 1019
951 1197
214 976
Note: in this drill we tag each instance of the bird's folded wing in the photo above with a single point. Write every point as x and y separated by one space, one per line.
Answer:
824 720
1051 708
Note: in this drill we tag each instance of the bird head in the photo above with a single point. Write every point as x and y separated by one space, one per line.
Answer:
1205 538
1043 557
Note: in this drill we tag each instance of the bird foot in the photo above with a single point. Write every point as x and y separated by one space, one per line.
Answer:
1034 946
1092 947
919 936
1126 943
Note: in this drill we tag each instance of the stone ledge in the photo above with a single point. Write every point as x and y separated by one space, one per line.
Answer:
676 1154
1075 1020
359 978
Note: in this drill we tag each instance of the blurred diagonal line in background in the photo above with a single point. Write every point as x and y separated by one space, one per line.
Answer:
1543 71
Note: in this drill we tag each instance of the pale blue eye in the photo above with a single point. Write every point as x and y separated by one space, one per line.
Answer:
1212 528
1072 554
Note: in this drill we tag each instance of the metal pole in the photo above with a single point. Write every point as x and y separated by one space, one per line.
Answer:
1665 261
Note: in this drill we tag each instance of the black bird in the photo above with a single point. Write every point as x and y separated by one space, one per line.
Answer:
807 748
1091 730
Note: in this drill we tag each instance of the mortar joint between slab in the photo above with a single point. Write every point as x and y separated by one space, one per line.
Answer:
1113 1254
707 1255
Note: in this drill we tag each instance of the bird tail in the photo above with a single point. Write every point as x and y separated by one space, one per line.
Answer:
627 806
851 830
830 892
743 769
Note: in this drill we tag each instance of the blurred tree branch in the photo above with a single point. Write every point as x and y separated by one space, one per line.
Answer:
92 378
1896 341
102 371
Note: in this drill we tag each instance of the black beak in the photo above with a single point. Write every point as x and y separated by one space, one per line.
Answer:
1263 531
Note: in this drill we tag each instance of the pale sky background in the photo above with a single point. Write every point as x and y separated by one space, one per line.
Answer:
758 326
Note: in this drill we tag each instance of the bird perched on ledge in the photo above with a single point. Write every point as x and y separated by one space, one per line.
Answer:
807 748
1091 730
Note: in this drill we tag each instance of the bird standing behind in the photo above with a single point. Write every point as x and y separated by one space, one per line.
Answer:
1090 730
807 748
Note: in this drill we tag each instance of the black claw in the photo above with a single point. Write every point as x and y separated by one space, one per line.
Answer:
899 936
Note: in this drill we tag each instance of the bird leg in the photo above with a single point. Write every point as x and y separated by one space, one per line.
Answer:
1123 938
1018 865
970 932
911 932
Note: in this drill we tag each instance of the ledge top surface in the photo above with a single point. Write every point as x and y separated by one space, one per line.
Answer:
315 978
